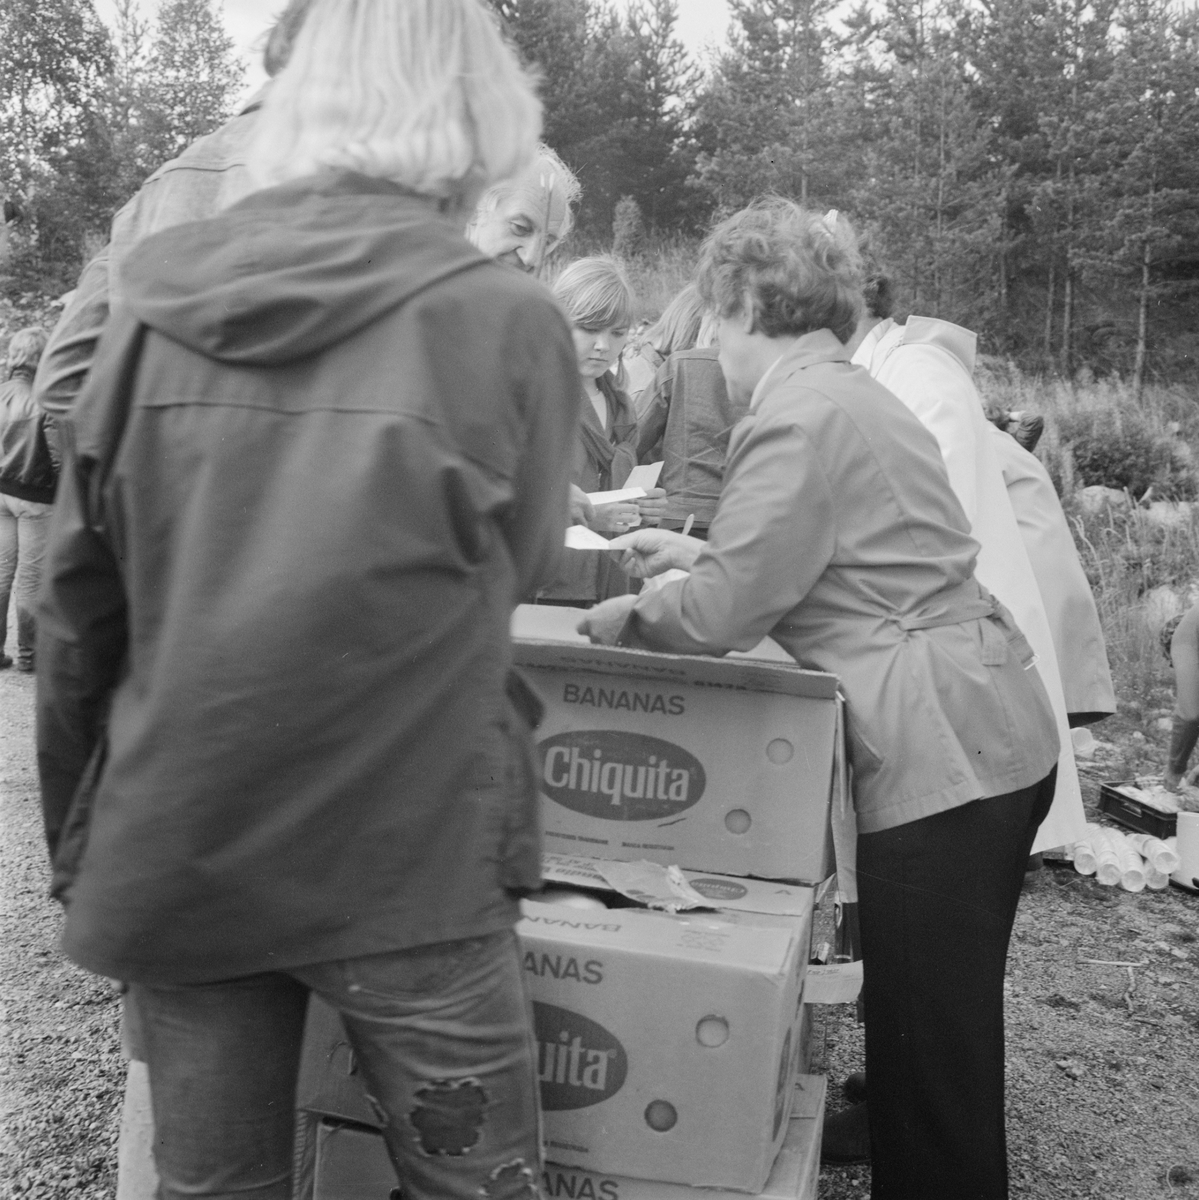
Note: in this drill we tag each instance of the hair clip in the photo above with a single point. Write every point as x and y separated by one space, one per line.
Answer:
829 220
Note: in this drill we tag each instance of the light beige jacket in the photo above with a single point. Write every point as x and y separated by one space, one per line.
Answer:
838 534
1069 602
929 364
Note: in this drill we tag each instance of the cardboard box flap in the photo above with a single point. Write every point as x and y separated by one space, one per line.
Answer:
741 674
726 893
690 937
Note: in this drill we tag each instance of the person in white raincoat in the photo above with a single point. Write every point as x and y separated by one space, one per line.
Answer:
1069 604
929 364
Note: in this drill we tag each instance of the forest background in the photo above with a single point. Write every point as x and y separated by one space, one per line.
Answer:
1027 168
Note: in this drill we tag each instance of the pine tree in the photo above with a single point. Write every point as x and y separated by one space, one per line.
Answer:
190 79
1144 126
763 119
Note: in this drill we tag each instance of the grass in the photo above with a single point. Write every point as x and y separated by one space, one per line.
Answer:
1142 562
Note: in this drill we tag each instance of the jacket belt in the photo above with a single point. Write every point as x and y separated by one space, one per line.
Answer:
955 614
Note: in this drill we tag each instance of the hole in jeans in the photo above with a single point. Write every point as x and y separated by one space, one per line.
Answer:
513 1181
449 1116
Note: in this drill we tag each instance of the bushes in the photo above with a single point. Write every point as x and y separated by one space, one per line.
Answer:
1098 433
1122 450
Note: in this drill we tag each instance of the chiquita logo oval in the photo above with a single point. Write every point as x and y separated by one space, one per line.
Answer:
619 776
579 1062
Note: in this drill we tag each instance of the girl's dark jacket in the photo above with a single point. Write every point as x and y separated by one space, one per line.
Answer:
320 457
28 442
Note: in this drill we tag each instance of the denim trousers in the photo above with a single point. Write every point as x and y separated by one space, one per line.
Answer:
937 899
443 1038
24 526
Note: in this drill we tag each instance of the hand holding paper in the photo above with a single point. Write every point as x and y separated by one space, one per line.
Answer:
651 551
653 507
617 517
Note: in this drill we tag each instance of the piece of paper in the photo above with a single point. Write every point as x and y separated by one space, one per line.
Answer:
579 537
651 884
628 493
832 983
644 477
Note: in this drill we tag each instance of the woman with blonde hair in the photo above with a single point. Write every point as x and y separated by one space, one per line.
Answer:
837 533
676 329
28 477
319 459
598 301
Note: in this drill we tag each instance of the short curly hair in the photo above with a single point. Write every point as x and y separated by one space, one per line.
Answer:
798 273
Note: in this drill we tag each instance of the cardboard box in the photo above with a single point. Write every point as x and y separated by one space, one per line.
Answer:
666 1043
724 765
352 1164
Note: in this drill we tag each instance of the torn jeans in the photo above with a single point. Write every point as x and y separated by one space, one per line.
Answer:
443 1038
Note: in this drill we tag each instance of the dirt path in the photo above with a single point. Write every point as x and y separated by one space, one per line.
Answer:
60 1066
1103 1095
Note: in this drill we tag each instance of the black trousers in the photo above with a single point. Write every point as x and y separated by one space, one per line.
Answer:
937 899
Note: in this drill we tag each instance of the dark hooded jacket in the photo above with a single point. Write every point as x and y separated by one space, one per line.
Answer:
319 459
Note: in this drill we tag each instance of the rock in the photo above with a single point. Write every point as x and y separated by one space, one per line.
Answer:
1137 736
1071 1066
1168 514
1096 498
1084 743
1164 724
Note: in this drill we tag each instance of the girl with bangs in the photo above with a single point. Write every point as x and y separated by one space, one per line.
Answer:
598 301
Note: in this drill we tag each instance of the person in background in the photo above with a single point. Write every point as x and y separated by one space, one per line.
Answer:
929 365
837 533
524 221
1182 638
295 526
28 477
598 301
684 419
210 175
1069 603
676 329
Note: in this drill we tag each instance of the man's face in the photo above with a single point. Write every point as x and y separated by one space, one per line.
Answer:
518 230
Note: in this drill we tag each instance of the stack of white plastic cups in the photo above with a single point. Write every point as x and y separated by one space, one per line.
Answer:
1132 861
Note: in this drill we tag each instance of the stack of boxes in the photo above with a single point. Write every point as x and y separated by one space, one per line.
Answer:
685 805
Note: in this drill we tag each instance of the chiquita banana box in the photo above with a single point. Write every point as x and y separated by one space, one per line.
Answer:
723 765
352 1164
667 1044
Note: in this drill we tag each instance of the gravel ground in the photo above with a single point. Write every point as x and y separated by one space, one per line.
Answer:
1103 1060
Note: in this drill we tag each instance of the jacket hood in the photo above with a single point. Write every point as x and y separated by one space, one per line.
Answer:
291 270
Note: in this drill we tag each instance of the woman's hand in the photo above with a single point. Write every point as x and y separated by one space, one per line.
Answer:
617 517
582 511
604 622
648 552
652 506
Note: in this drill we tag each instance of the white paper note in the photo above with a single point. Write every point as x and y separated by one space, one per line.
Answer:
644 477
579 537
628 493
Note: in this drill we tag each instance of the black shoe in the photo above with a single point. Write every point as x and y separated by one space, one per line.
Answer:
854 1088
846 1139
5 660
24 664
